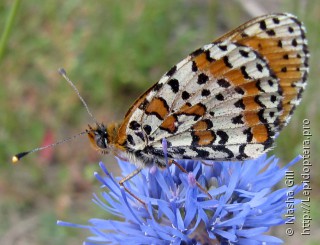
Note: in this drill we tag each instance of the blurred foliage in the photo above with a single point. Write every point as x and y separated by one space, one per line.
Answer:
113 51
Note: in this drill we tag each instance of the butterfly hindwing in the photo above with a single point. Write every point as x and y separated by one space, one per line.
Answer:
281 39
226 100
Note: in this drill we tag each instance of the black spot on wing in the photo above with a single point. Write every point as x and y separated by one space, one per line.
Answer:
290 29
259 67
263 25
239 90
222 148
223 83
174 84
268 143
157 87
140 135
209 123
147 128
237 119
223 137
205 93
194 66
196 52
244 53
271 32
134 125
144 104
171 71
240 104
294 43
248 133
275 20
219 97
202 154
202 78
130 139
257 100
208 57
227 62
242 155
223 47
244 72
185 95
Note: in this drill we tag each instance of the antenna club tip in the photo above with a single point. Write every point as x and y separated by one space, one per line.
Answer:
18 156
62 71
15 159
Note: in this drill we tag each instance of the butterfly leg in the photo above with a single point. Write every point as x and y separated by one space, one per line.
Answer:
185 171
128 177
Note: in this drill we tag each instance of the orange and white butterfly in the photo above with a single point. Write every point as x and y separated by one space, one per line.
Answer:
225 101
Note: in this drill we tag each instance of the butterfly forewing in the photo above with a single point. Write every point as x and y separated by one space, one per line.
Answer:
226 100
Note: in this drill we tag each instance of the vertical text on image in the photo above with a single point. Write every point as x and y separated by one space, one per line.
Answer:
306 180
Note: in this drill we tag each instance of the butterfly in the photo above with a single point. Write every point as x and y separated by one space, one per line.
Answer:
225 101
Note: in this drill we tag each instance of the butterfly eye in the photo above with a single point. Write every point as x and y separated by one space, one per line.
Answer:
101 137
100 141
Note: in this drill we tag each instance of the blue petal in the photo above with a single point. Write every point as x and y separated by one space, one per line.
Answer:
243 206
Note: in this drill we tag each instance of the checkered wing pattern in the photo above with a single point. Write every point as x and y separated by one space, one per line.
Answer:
226 100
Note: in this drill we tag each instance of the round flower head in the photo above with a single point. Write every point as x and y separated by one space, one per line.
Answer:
243 205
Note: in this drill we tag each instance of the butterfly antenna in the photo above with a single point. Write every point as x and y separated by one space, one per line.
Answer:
20 155
63 73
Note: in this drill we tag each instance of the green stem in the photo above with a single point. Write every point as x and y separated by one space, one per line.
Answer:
8 27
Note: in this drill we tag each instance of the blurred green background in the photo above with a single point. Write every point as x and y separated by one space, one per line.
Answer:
113 51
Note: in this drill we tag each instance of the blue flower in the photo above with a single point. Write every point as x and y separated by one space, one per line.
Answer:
243 205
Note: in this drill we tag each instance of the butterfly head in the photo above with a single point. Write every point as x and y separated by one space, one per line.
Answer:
98 136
